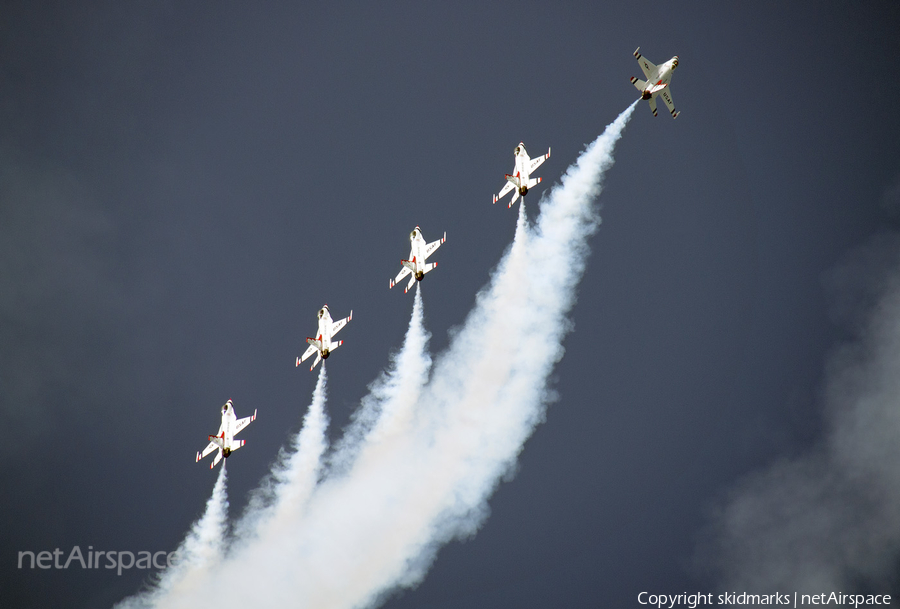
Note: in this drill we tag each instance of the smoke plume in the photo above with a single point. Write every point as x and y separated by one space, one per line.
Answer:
201 549
827 520
424 453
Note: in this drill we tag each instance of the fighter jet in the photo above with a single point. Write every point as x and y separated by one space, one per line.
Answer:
657 83
322 345
520 178
419 252
224 440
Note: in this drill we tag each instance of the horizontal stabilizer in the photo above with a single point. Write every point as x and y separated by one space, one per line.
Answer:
638 83
316 363
533 182
215 461
429 267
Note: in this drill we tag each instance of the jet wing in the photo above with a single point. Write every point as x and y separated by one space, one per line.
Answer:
506 188
429 249
336 326
242 423
309 351
209 448
535 163
670 104
403 273
647 66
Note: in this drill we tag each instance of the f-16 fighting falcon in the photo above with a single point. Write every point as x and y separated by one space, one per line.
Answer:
322 345
520 178
419 252
657 83
224 440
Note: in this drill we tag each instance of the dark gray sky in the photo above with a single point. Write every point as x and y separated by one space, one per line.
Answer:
182 186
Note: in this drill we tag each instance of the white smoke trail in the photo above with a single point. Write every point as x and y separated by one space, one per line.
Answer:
827 520
201 549
389 407
422 472
294 475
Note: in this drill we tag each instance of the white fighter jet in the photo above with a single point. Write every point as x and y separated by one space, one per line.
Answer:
657 83
224 440
322 345
419 252
520 178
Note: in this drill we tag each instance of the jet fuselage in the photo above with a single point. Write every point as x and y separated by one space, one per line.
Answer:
523 161
417 253
324 332
227 428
